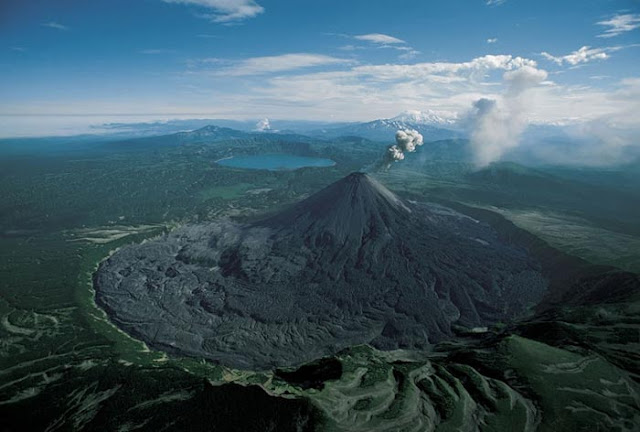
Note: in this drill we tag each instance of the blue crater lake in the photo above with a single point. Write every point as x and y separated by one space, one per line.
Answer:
274 162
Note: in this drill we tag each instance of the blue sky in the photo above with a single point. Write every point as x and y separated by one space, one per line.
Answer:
318 60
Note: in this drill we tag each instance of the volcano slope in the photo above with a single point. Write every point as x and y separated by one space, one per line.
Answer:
351 264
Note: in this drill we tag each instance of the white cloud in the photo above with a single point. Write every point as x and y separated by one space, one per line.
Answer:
379 38
619 24
492 40
273 64
55 25
495 2
225 11
583 55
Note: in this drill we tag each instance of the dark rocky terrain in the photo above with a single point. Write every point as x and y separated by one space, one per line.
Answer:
351 264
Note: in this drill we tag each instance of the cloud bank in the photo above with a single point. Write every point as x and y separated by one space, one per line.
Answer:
273 64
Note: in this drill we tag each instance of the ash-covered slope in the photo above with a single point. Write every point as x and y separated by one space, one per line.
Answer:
353 208
351 264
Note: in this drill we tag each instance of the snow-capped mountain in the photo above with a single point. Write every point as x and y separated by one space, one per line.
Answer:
425 117
432 126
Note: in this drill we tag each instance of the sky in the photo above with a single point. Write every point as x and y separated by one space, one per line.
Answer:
547 62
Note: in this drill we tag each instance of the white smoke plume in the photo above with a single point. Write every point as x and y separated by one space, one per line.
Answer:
498 125
407 140
263 125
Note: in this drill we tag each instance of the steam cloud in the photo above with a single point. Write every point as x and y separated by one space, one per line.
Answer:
263 125
497 126
406 141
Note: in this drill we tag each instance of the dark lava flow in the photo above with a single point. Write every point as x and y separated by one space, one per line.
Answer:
351 264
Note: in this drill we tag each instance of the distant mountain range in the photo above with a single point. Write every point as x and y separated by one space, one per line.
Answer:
431 126
172 126
539 144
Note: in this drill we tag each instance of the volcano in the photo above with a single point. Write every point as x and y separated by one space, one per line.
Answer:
351 264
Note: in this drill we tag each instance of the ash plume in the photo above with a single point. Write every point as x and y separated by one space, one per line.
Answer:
394 154
407 140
